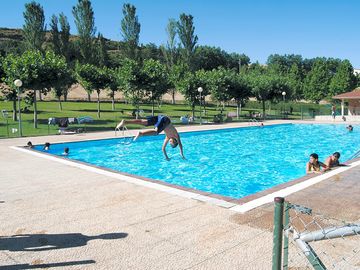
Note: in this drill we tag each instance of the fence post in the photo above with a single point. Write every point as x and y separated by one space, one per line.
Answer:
278 228
286 237
7 128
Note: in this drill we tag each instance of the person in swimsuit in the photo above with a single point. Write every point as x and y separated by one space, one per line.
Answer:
66 151
350 128
160 123
46 146
333 161
333 111
314 165
29 145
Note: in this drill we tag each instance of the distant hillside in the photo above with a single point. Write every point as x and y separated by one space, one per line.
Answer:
11 34
14 37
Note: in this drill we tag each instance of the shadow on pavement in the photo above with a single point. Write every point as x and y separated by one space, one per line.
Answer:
46 265
42 242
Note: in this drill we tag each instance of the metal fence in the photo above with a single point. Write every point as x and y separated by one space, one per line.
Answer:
307 240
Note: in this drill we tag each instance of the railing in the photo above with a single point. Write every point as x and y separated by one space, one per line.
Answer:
253 121
306 240
126 135
356 155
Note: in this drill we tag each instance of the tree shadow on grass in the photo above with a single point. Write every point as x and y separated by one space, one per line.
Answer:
93 110
43 242
93 128
46 265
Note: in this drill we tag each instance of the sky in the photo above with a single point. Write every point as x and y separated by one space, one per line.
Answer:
257 28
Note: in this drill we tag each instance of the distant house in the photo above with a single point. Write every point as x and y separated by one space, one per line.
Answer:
353 99
353 108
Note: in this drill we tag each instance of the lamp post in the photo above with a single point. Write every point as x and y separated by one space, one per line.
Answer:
18 83
200 89
284 94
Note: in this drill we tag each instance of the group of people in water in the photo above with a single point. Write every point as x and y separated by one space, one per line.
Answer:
316 166
47 148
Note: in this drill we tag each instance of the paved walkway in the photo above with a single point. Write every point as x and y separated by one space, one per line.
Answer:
62 217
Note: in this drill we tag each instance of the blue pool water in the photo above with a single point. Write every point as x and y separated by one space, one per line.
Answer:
230 162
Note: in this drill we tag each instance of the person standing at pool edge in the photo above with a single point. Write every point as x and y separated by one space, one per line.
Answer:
161 123
333 111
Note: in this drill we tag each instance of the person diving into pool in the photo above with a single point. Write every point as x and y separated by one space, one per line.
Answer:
161 123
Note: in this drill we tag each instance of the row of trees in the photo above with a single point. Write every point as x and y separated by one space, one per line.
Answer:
147 72
148 81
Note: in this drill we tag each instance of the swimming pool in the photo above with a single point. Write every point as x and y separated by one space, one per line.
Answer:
230 162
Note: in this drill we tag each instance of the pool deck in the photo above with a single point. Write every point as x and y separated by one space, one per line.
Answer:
57 216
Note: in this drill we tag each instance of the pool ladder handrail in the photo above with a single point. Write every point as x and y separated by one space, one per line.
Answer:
127 138
124 128
253 121
356 155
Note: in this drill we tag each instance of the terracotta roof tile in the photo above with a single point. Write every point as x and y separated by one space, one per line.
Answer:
355 94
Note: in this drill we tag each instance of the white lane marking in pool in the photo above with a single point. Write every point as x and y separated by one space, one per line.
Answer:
129 179
289 190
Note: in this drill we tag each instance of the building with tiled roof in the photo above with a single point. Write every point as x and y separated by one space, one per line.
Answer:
353 100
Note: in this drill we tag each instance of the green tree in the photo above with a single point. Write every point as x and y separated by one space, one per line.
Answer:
175 74
130 81
188 84
317 81
219 79
62 85
8 93
295 80
102 57
11 46
83 76
155 80
357 79
171 50
262 87
239 89
34 28
60 39
209 58
283 63
64 36
186 31
237 61
92 78
113 84
1 69
85 24
38 72
54 30
150 51
343 81
130 28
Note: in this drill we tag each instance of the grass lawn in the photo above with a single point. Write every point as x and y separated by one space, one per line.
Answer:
109 118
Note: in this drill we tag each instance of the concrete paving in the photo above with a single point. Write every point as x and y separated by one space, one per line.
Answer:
55 216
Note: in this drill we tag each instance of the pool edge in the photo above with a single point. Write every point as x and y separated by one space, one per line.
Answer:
241 205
